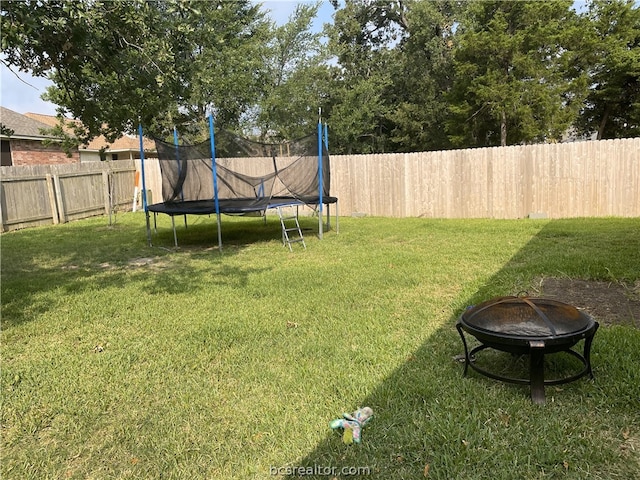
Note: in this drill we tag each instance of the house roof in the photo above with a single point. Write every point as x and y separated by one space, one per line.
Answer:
23 126
50 120
126 143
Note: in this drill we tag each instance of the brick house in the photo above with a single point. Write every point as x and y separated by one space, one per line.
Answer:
126 147
23 144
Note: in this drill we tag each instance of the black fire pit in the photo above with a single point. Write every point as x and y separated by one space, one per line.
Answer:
528 326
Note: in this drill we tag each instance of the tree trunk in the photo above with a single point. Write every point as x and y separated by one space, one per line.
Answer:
603 122
503 129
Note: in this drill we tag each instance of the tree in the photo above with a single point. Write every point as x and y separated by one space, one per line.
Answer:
223 62
296 78
513 81
395 67
612 54
419 106
114 62
364 39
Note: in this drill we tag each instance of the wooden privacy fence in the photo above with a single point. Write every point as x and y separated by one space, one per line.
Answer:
580 179
564 180
45 194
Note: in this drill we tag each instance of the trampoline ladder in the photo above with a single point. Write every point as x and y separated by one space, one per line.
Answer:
291 231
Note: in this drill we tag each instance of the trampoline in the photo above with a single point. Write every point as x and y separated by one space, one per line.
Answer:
228 174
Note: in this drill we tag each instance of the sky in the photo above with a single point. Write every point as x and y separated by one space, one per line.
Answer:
21 93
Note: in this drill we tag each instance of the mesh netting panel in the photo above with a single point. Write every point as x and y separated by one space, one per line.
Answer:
229 145
245 169
186 171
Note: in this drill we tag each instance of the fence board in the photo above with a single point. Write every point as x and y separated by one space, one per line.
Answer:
44 194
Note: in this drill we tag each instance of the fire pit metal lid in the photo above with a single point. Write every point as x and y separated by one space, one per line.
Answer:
526 318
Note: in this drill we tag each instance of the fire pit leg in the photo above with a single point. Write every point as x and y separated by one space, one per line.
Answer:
587 349
466 350
536 372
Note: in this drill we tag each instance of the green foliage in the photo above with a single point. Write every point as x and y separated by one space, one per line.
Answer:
67 135
511 84
357 115
363 39
443 74
92 50
296 78
612 56
223 64
4 130
405 75
418 103
114 63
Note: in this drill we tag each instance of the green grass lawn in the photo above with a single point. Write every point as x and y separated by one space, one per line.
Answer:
121 360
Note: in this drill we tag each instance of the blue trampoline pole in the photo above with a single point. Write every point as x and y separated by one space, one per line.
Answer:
214 172
320 219
326 146
144 184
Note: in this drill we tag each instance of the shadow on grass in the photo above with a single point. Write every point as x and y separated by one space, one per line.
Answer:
474 427
91 255
237 230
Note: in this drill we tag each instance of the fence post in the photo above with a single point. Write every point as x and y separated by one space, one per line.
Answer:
52 199
59 201
105 190
1 212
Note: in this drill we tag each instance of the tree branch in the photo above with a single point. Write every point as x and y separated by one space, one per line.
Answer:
17 76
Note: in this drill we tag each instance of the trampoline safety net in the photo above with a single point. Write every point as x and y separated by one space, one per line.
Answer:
245 170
